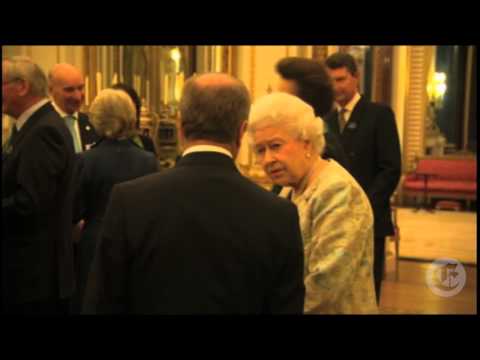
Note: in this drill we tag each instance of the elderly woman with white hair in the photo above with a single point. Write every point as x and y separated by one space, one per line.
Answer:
335 215
113 159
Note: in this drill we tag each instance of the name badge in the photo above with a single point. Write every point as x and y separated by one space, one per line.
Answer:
352 126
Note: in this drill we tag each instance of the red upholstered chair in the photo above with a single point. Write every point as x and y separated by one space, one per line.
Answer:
448 178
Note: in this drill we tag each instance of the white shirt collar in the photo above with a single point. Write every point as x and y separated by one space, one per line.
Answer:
351 104
207 148
62 113
22 119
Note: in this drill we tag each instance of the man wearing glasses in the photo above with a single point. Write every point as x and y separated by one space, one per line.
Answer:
37 194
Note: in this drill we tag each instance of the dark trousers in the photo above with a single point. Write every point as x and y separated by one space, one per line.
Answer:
41 307
378 264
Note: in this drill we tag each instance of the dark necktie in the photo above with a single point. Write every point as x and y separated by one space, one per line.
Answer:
8 144
14 134
341 119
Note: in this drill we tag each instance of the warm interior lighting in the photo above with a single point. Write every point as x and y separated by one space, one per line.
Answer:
437 88
175 54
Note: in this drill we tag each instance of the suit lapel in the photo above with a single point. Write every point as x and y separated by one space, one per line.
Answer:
357 114
332 122
87 133
31 123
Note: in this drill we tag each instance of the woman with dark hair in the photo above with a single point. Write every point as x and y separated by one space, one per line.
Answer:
143 141
309 80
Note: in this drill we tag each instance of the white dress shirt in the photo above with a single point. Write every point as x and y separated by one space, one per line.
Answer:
207 148
349 107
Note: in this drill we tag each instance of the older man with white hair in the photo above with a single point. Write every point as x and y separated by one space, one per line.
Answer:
37 195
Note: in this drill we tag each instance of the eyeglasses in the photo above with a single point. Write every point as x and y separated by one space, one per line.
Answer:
6 82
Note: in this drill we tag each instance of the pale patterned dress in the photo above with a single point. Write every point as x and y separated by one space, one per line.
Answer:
336 221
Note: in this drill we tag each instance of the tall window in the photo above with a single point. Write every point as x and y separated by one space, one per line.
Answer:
456 117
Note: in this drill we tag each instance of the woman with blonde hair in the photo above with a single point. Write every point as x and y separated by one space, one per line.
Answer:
335 215
113 159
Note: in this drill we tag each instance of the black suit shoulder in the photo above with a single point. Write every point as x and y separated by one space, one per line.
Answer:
45 126
98 149
373 109
147 143
175 183
122 160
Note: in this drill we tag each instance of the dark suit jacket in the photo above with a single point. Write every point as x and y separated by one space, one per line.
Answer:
370 140
148 144
88 136
197 239
37 196
109 162
334 150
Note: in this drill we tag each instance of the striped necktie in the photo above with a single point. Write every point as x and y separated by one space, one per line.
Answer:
70 120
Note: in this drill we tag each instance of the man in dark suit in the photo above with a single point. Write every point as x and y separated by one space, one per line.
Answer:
200 238
36 196
66 86
67 89
369 136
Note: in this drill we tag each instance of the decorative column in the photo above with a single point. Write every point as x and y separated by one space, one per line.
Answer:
416 103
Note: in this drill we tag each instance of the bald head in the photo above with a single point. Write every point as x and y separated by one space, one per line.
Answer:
67 87
216 80
213 107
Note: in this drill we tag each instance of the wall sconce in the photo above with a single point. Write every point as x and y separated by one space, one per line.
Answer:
434 139
178 77
436 89
175 55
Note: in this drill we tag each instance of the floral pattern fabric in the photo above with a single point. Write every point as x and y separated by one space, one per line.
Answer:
336 221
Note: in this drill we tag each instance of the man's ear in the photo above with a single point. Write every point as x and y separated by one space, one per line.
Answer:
241 132
181 134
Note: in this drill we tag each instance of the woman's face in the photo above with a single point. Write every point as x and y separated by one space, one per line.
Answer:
284 158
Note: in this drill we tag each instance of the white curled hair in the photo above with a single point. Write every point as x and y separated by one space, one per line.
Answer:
113 114
282 110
